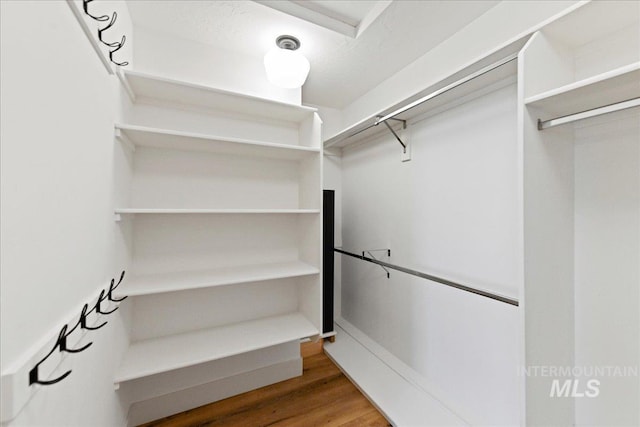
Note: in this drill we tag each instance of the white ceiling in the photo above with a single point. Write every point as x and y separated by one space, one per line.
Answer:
342 67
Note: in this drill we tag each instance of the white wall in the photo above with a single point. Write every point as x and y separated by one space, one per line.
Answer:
59 240
181 59
450 211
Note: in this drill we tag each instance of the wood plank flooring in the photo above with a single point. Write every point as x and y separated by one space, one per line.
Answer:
321 396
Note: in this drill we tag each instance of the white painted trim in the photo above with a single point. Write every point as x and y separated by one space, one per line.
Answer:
73 5
384 380
373 14
125 84
315 17
193 397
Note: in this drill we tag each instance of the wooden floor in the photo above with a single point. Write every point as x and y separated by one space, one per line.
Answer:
321 396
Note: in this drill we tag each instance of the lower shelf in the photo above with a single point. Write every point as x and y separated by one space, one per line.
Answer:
154 356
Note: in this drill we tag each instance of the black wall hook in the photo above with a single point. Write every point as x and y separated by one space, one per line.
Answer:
33 376
113 288
61 341
103 297
111 52
83 320
85 4
109 25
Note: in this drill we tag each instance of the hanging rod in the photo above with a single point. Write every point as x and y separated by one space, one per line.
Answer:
447 88
611 108
440 280
380 118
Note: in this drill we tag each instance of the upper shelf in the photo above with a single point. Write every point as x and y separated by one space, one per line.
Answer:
148 86
142 136
604 89
157 355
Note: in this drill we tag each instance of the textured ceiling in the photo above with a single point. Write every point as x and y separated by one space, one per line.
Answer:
342 68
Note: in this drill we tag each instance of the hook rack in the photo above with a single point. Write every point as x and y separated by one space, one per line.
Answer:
388 251
112 21
61 341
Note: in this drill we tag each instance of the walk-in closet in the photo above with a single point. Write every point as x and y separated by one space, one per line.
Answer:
320 212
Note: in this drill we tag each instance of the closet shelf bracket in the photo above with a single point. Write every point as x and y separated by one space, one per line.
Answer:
369 252
404 126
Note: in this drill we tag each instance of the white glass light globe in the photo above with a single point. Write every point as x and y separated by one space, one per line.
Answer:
286 68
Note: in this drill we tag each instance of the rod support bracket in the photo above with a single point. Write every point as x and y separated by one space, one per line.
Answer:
404 126
369 252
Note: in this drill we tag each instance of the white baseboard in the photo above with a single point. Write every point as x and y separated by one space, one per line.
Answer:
173 403
390 385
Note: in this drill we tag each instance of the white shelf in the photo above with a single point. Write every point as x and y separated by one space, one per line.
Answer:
141 136
154 356
148 86
213 211
608 88
185 280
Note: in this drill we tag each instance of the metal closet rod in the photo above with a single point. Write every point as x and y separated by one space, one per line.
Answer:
482 71
437 279
447 88
542 125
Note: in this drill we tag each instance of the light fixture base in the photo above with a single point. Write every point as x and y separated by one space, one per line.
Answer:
288 42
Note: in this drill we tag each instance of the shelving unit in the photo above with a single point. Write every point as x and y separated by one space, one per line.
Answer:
183 350
224 231
580 209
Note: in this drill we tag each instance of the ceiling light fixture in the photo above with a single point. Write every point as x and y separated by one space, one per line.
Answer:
286 67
